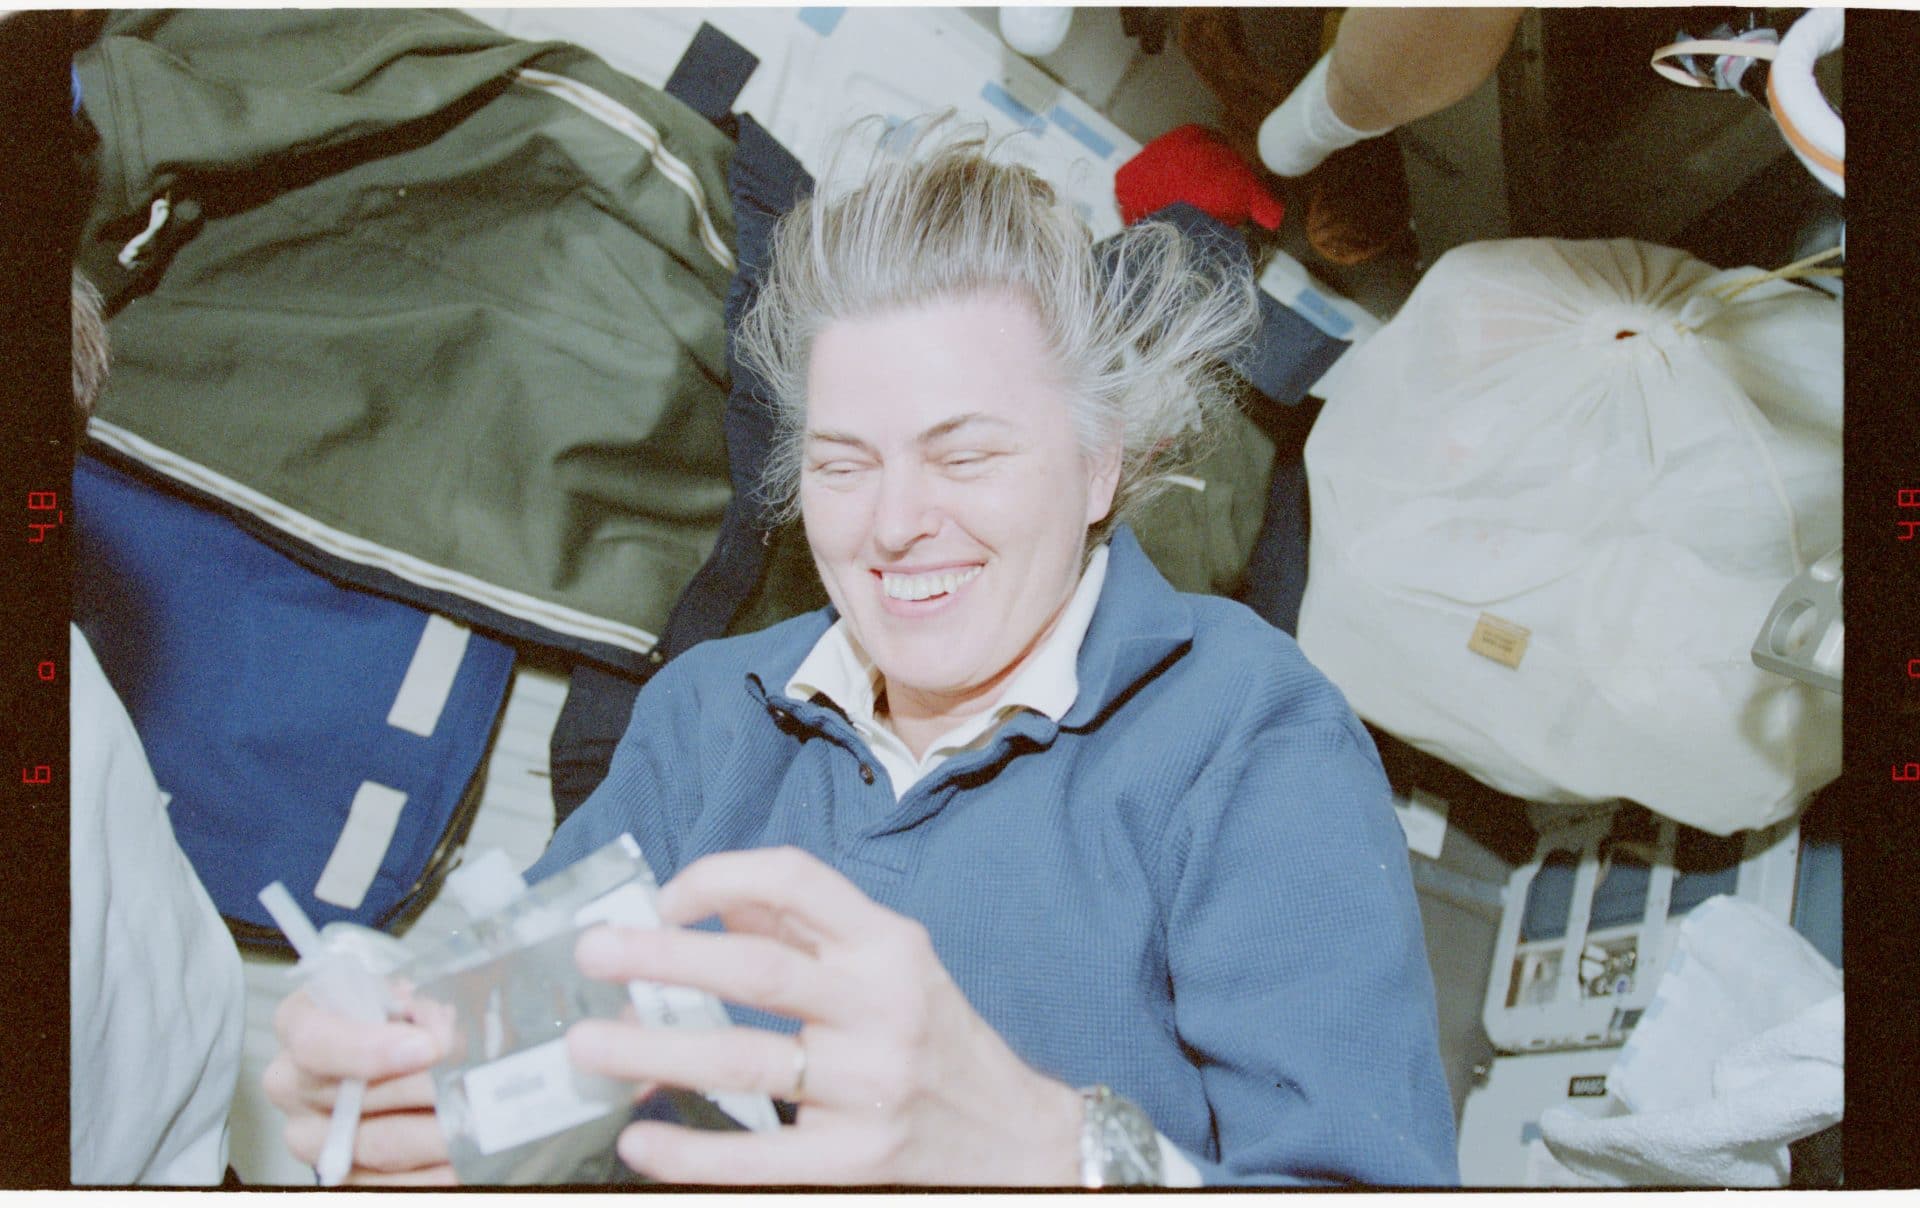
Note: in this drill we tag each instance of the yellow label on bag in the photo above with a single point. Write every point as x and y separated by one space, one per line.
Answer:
1501 641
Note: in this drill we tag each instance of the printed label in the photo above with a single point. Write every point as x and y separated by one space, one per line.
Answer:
1502 641
663 1006
526 1096
1587 1086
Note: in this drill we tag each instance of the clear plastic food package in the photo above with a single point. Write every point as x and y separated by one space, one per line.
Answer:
514 1110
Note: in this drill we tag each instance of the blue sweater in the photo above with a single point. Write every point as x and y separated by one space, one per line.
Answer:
1192 888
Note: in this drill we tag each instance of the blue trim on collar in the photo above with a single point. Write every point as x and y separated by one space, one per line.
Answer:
1140 622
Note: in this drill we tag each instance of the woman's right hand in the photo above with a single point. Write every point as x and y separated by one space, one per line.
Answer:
399 1141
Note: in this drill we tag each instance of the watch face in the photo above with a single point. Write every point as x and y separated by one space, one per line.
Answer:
1118 1144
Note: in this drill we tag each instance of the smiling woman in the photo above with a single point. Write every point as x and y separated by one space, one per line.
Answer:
967 398
1012 817
946 499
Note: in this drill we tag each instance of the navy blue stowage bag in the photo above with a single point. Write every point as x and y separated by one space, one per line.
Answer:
305 732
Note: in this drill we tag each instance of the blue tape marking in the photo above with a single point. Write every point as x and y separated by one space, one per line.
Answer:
1319 312
1002 100
822 21
1530 1133
1089 138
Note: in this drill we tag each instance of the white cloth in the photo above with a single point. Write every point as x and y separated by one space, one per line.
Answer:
840 670
1739 1054
158 1004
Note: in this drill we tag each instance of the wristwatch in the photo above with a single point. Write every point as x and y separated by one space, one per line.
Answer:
1119 1147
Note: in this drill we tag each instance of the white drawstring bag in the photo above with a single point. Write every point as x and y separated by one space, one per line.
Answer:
1553 501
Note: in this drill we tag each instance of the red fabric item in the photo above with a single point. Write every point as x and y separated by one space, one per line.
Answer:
1193 164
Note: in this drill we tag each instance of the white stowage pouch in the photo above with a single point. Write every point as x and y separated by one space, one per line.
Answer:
158 1004
1553 501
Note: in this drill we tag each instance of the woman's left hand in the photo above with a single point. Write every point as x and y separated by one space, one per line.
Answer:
897 1078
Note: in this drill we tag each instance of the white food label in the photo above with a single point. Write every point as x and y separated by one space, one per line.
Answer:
526 1096
631 905
662 1006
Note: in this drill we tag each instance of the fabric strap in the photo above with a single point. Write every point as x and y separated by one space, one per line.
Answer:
710 75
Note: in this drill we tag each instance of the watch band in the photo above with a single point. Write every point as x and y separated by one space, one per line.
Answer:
1119 1147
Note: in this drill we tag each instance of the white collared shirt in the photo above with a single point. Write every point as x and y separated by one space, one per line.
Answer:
840 670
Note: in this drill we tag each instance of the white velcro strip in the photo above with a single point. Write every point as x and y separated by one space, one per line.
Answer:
429 679
362 846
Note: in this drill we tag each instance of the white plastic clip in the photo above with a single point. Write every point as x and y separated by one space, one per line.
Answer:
485 883
156 218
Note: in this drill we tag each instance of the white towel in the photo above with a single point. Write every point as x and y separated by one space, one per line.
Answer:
1739 1054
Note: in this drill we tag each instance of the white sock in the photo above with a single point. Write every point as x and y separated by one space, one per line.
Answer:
1305 130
